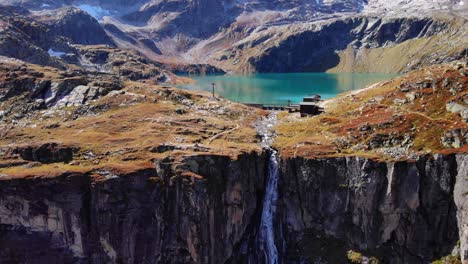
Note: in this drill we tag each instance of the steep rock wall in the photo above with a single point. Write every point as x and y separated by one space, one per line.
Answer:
196 211
402 212
206 209
461 200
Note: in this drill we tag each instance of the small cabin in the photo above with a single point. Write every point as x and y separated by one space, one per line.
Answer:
309 109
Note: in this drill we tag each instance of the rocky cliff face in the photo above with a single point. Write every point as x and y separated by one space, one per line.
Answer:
315 50
366 44
196 212
47 37
461 201
402 212
98 164
206 210
23 39
75 24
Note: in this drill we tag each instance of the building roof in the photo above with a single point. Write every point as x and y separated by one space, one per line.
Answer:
308 103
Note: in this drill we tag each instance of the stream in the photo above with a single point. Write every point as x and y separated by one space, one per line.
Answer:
265 244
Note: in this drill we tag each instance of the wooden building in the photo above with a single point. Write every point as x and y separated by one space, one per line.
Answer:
309 109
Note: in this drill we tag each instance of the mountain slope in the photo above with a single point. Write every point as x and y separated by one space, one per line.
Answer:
206 31
333 44
75 24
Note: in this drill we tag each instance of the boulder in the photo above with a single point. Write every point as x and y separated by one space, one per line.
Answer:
457 108
78 96
62 88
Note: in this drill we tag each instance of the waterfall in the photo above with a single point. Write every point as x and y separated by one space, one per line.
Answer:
266 237
266 249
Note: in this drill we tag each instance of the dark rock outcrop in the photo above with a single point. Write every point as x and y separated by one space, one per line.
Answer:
402 212
196 212
461 200
45 153
123 64
25 39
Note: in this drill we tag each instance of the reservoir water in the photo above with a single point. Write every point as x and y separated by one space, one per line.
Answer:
278 88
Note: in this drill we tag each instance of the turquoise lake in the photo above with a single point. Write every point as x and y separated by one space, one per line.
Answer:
278 88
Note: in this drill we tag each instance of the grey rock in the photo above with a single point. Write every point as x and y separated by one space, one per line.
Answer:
77 97
411 96
460 109
400 101
60 89
461 200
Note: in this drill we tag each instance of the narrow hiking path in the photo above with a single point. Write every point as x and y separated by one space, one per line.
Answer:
222 133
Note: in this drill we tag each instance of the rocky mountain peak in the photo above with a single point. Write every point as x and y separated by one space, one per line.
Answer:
75 24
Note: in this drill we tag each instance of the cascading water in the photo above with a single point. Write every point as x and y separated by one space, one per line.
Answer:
266 237
265 244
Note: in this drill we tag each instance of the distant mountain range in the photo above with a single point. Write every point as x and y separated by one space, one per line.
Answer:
241 35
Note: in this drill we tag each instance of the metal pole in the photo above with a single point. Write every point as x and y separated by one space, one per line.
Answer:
213 84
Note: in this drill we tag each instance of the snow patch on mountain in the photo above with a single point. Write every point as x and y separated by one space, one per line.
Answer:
95 11
57 54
